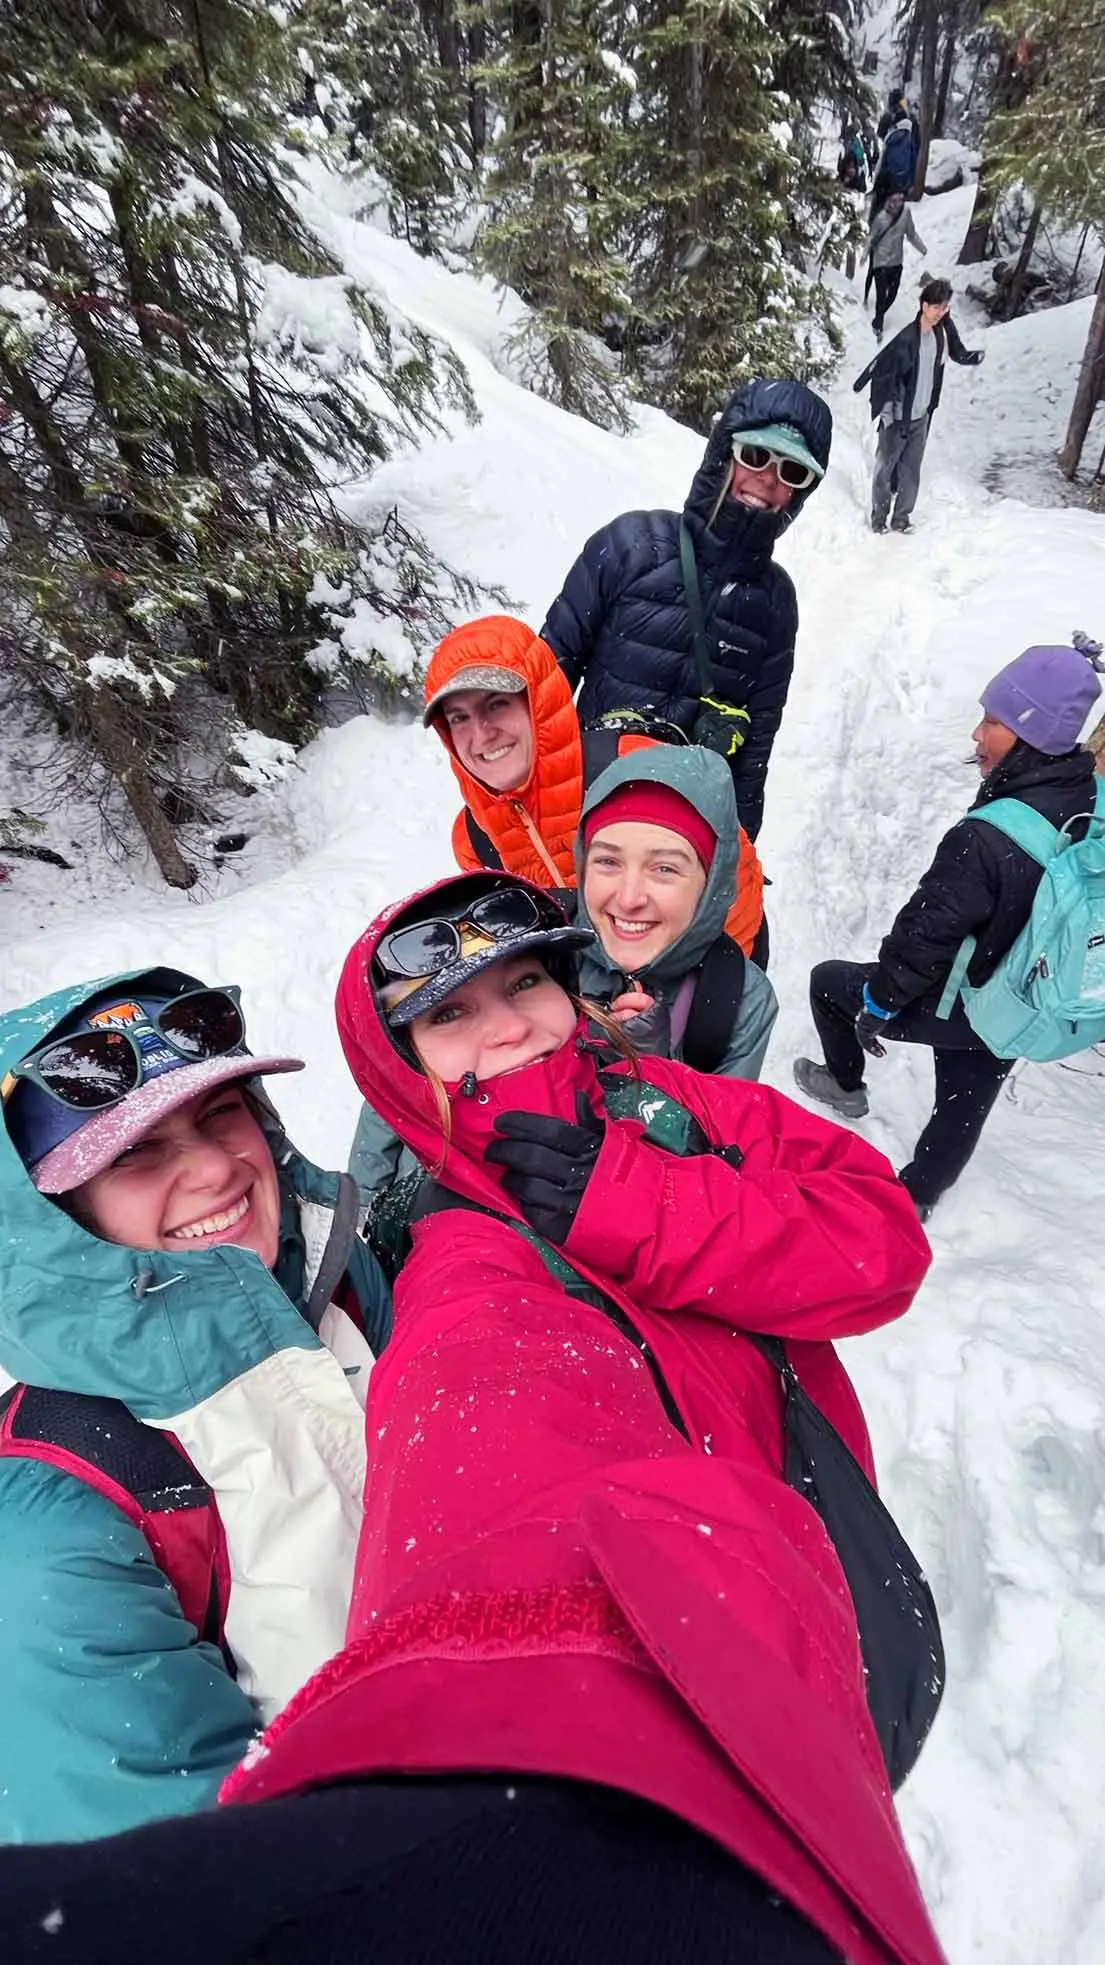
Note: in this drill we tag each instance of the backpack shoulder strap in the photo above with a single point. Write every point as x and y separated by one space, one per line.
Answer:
142 1470
1027 828
714 1005
485 850
693 590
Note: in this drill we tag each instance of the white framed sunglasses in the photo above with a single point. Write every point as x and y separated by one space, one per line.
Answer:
757 457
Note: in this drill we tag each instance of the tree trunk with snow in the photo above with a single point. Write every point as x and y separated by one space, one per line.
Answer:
1090 389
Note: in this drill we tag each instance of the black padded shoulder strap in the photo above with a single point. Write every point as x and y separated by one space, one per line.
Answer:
104 1433
487 853
714 1005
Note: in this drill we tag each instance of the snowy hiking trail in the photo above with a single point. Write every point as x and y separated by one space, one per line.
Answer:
987 1403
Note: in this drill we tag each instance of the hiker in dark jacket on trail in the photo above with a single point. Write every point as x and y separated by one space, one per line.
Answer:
980 883
623 623
907 378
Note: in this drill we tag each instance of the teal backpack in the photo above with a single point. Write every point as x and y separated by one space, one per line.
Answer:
1046 998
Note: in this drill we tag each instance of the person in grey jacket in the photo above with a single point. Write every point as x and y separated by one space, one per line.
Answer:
656 872
891 226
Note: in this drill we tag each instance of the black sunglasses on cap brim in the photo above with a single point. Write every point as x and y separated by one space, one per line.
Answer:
431 958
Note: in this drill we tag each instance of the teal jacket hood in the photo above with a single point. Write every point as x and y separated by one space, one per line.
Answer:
704 780
159 1331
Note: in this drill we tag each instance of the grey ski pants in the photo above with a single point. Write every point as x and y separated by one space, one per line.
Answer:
898 469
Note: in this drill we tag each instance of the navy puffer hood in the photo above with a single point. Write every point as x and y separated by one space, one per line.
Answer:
756 404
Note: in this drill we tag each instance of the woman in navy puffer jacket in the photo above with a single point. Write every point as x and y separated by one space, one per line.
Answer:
621 623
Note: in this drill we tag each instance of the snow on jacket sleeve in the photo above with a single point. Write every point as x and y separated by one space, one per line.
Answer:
751 1033
114 1713
765 704
576 614
956 897
813 1236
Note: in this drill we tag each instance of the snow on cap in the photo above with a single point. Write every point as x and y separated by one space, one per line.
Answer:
496 682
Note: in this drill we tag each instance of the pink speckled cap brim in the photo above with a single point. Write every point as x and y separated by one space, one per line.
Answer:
107 1134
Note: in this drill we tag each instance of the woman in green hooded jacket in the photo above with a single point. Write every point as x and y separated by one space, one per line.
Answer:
188 1317
656 873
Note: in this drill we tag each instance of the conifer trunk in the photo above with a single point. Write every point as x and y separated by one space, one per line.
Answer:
1090 389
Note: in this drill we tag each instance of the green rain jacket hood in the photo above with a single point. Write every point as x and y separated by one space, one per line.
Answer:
704 780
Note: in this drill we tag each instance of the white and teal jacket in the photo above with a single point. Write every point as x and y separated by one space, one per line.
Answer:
115 1712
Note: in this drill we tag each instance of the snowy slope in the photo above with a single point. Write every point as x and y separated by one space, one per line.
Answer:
988 1403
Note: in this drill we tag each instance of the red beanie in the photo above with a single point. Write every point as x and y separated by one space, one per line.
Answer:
649 804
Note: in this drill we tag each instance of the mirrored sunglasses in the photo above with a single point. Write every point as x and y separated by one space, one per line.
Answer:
94 1069
757 457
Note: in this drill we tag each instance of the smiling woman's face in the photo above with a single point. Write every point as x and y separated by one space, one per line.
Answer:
642 885
201 1177
507 1016
492 736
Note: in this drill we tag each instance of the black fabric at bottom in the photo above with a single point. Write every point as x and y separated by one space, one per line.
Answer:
487 1871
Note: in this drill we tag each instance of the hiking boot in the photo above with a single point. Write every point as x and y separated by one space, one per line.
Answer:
878 525
817 1081
901 525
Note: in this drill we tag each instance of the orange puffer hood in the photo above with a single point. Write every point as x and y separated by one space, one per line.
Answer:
533 828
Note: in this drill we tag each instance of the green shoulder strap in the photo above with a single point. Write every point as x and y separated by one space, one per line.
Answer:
693 591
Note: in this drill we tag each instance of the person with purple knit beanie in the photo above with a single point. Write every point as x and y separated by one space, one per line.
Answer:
980 883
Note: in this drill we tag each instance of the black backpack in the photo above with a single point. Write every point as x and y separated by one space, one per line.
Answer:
896 1617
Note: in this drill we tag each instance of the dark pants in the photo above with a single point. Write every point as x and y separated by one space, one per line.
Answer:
488 1871
898 469
968 1076
887 281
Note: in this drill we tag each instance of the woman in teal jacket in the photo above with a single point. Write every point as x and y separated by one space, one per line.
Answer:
180 1292
656 874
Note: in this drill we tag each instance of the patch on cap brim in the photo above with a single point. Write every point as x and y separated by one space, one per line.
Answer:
785 440
105 1135
498 682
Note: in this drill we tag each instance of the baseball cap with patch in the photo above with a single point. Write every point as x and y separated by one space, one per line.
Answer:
784 440
175 1045
496 682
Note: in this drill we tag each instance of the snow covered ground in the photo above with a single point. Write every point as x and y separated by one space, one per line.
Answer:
987 1403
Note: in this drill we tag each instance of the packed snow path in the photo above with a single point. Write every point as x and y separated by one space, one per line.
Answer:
987 1403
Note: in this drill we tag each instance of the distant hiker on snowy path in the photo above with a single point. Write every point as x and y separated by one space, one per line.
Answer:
982 885
890 228
688 615
188 1319
900 136
907 377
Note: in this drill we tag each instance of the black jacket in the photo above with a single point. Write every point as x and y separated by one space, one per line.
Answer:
893 372
621 623
980 883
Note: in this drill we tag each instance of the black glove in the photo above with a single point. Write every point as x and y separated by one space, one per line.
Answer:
871 1024
548 1164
